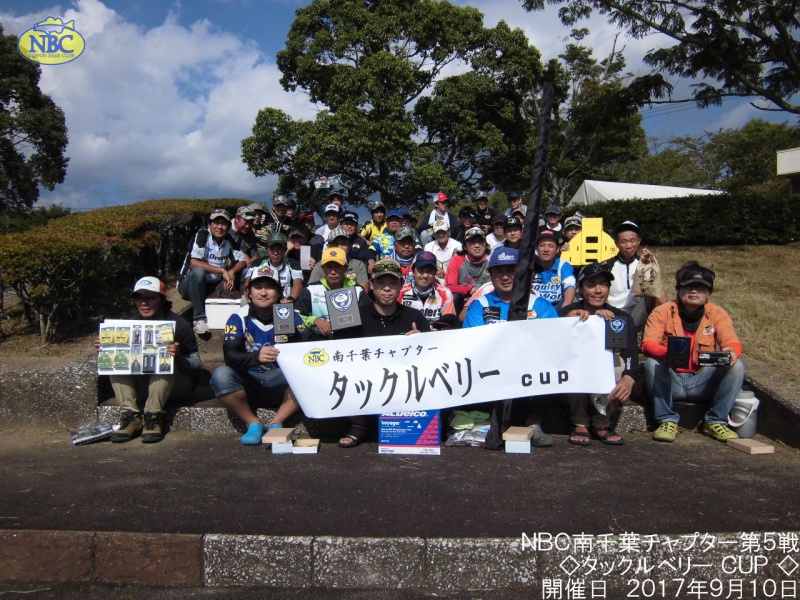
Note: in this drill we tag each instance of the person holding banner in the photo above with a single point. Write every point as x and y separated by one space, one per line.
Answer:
594 285
250 377
312 303
384 316
150 300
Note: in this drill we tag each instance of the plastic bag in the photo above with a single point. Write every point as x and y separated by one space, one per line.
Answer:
92 431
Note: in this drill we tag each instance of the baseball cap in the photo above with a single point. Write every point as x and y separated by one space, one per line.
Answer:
482 195
513 194
246 213
331 208
349 215
336 193
334 255
499 220
376 206
407 213
697 277
573 221
337 232
552 209
474 232
404 233
280 201
152 284
440 226
387 266
627 226
512 222
220 212
257 207
277 239
467 211
441 197
503 256
265 271
425 259
394 213
593 270
548 234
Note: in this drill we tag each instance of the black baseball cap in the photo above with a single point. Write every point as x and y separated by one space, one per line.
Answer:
627 226
468 211
593 270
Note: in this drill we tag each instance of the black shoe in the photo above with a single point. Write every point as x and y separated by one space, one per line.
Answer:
153 428
129 427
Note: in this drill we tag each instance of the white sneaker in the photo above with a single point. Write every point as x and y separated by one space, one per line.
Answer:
201 327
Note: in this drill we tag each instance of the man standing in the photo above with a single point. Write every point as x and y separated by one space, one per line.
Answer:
377 225
356 271
623 266
708 329
439 214
359 247
467 271
244 235
290 278
332 216
514 198
250 377
213 263
553 278
466 221
383 245
443 247
281 222
482 207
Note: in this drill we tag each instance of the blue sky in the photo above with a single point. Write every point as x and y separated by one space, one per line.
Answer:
160 100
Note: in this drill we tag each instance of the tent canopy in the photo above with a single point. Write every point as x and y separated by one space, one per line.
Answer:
600 191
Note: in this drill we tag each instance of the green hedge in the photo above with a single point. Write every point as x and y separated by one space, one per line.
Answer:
80 267
727 219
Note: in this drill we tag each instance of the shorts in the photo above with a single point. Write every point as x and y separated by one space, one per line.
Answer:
264 389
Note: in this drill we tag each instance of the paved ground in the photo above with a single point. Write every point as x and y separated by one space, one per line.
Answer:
194 483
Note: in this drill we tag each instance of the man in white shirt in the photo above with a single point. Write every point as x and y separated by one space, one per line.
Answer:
442 247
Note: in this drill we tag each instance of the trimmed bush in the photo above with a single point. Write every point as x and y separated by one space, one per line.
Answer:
727 219
80 266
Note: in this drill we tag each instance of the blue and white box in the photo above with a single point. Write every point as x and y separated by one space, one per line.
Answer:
410 432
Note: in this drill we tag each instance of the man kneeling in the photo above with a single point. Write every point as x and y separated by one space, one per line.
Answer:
251 377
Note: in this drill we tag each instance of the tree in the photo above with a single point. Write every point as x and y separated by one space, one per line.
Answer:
596 123
390 122
736 48
733 160
33 134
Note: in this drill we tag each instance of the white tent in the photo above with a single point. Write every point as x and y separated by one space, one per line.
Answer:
599 191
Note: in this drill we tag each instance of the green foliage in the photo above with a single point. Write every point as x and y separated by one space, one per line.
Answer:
731 160
33 134
735 48
725 219
15 220
389 124
81 265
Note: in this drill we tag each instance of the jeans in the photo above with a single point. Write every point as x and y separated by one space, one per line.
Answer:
264 389
717 384
195 288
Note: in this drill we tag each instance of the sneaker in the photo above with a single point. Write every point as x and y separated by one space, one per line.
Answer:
540 439
666 432
129 427
255 431
719 431
201 327
153 428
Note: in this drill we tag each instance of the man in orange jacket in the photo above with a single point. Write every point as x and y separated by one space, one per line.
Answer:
709 329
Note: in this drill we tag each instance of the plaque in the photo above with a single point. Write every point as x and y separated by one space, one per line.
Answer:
283 319
617 333
343 308
679 351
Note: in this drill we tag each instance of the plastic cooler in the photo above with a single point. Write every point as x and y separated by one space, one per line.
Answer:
219 309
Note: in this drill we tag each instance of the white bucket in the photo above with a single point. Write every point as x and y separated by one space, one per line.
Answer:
744 414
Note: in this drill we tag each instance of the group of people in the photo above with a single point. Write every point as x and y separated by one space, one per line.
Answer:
447 273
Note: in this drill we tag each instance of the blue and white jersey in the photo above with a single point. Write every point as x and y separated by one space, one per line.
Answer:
254 335
490 309
551 283
216 254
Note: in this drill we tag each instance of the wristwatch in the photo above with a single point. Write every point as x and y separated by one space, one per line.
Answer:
290 298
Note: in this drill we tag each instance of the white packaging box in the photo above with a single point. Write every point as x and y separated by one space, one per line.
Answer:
513 447
219 309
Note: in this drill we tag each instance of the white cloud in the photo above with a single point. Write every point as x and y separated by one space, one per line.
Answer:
157 112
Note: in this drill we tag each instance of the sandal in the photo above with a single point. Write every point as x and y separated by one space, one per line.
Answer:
580 438
355 439
606 437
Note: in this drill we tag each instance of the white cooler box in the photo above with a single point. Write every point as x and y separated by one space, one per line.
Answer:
219 309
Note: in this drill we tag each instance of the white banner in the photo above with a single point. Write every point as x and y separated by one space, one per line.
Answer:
443 369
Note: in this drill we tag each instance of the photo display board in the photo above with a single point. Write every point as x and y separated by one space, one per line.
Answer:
129 347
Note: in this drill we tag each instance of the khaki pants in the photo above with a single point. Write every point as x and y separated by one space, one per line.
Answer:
583 411
152 390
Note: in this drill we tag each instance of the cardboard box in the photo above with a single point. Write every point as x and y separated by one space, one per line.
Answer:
410 432
219 309
279 435
517 434
751 446
306 446
513 447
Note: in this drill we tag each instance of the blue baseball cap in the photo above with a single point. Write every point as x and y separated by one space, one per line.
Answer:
425 259
394 213
503 256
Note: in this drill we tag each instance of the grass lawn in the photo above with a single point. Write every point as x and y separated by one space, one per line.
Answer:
757 285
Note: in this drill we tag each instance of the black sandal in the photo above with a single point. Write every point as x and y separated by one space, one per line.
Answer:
355 439
580 438
609 434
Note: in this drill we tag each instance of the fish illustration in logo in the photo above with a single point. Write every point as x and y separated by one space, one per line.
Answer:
54 25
